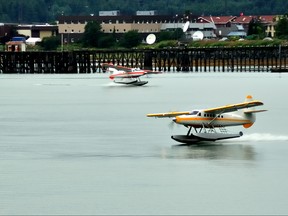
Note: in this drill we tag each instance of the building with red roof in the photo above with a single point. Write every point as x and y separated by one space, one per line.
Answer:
227 24
269 22
224 24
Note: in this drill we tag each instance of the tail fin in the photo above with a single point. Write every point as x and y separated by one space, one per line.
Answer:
249 112
251 109
248 98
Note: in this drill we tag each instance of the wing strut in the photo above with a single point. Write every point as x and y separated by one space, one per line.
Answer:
216 117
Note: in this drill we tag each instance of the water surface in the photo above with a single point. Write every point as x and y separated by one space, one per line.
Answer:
79 144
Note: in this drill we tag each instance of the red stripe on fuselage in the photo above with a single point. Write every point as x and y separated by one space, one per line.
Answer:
127 75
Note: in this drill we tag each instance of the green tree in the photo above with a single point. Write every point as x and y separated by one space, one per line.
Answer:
106 41
50 43
92 34
48 10
281 28
130 39
165 35
256 28
177 34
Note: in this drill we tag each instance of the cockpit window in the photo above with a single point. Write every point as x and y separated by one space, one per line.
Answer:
195 112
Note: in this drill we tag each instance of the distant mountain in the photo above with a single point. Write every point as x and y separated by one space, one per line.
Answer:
30 11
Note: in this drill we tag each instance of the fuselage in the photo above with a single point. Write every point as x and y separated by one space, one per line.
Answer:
134 73
199 119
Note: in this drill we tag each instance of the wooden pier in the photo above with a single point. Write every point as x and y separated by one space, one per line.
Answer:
218 59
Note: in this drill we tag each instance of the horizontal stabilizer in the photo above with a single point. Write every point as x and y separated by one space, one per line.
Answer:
254 111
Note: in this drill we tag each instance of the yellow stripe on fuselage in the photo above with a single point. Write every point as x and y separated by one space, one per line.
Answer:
180 119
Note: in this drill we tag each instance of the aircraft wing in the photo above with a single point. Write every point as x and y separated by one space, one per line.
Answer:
134 71
168 114
151 72
233 107
122 68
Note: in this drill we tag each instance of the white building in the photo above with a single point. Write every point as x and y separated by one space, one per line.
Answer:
109 13
146 13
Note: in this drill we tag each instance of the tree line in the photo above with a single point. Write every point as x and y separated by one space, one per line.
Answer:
35 11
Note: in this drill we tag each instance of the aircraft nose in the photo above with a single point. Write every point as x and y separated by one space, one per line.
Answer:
174 120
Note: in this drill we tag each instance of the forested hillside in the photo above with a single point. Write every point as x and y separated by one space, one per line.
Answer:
47 10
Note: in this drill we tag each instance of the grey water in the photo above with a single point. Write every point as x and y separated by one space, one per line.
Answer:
81 145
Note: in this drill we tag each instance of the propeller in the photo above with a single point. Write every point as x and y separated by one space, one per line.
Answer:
172 123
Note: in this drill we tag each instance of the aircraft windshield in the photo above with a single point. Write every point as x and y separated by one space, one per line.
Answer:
194 112
136 69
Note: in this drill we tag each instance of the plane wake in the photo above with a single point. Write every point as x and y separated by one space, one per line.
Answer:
263 137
